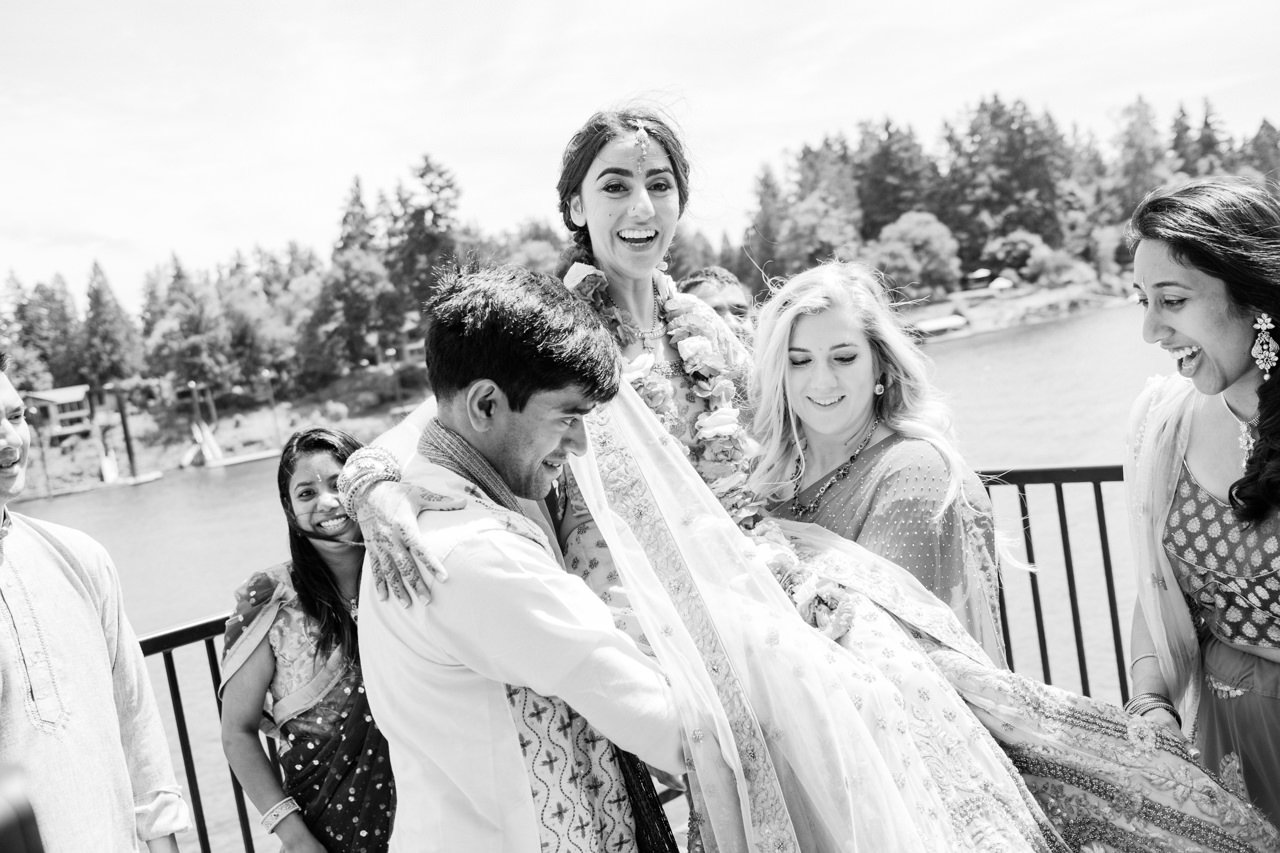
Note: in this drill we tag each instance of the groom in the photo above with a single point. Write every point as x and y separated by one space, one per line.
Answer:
513 705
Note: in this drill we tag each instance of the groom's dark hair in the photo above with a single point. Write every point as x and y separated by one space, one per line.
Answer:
523 330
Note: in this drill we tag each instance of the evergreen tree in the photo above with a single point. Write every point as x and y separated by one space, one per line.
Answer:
1212 147
824 216
1003 173
369 311
110 344
154 294
419 235
27 369
894 175
761 240
323 353
48 323
1141 164
1182 145
191 342
1262 155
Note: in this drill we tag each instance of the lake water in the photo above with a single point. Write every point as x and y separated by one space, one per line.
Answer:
1054 394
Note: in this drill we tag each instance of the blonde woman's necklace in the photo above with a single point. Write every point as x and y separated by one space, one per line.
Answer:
799 510
1247 428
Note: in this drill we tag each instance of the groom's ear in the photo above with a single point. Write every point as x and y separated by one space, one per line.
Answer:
484 403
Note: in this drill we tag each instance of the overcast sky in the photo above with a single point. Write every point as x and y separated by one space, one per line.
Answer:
133 130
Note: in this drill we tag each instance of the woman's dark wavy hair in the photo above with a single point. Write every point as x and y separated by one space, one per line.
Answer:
523 330
601 129
317 590
1229 228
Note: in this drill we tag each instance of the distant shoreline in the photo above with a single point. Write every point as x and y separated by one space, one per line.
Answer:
992 313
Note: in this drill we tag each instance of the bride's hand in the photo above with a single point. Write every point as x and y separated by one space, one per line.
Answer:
393 542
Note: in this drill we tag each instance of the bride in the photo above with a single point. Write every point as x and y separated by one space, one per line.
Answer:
878 742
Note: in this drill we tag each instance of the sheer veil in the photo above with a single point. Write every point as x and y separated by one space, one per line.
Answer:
794 742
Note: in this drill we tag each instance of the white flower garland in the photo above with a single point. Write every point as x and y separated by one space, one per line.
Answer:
723 449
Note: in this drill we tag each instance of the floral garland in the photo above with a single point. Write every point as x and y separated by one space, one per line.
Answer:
723 450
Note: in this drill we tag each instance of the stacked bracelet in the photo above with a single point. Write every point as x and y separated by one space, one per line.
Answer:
271 817
366 466
1144 703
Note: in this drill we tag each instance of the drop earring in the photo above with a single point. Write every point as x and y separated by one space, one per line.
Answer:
1265 349
879 389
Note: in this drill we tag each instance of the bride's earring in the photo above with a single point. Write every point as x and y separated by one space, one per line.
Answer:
1265 349
879 389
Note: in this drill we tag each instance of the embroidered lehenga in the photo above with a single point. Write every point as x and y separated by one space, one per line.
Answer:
334 759
882 741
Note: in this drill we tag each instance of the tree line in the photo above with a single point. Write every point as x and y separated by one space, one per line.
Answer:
1008 190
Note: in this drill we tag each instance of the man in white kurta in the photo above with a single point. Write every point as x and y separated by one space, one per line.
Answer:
504 699
77 715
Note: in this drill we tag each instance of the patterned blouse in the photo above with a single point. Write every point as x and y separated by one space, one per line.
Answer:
1229 572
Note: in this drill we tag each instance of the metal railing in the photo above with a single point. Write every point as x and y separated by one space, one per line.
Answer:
1018 485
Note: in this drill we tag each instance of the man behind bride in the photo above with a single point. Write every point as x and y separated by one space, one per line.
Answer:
518 716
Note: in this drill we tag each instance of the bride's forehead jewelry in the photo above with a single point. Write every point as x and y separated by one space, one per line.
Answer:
642 144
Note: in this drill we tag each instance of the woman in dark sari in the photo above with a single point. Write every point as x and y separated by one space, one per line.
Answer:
291 669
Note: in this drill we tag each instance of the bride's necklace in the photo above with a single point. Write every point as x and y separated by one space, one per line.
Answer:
1246 430
811 507
654 332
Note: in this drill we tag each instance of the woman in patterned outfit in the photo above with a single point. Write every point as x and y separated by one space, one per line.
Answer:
291 669
1204 478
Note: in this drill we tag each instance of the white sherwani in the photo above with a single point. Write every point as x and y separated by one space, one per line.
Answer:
438 678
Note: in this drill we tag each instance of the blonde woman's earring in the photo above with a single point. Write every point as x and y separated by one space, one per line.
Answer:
1265 349
879 389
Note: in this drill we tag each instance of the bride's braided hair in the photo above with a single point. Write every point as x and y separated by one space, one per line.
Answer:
1229 228
599 130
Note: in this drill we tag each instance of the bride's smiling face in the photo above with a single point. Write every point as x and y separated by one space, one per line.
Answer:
629 204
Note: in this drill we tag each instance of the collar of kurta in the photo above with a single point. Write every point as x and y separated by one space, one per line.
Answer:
447 449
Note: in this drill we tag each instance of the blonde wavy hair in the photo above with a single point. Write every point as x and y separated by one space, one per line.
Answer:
910 405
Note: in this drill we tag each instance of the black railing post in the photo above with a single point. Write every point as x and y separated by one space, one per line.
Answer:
184 743
1122 671
1069 567
1025 512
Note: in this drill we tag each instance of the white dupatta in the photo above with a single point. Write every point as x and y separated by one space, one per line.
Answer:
781 752
1157 443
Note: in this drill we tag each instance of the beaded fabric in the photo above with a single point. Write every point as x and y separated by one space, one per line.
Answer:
1229 572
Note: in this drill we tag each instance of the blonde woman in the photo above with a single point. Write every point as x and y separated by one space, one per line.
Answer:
854 438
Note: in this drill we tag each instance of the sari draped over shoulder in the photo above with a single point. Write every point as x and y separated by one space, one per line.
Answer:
1157 443
893 503
333 757
898 737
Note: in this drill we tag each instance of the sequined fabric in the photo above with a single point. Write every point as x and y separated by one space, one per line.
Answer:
335 760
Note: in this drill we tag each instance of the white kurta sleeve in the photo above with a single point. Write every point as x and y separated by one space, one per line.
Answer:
512 614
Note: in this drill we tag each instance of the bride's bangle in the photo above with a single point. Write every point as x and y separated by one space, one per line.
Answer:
1134 662
368 465
271 817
